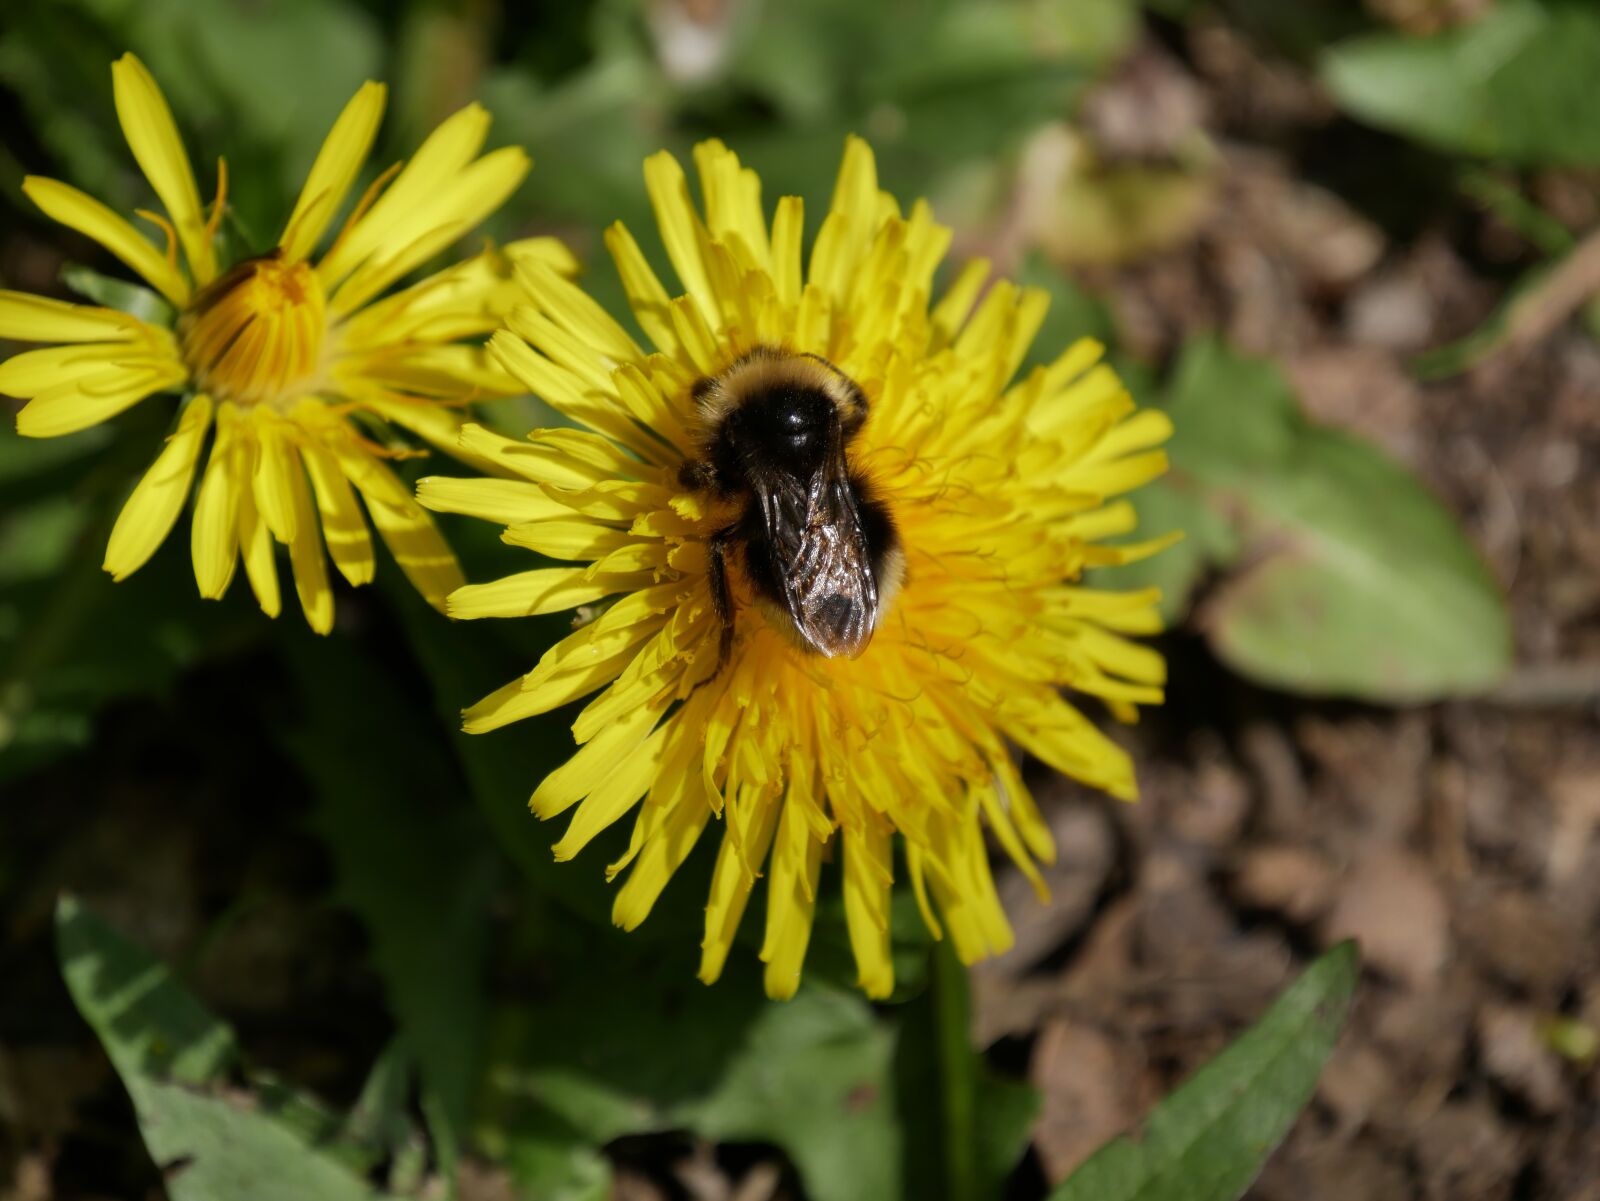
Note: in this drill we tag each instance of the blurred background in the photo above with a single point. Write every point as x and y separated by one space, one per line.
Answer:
1351 247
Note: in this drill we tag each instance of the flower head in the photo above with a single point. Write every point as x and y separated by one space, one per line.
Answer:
998 488
296 369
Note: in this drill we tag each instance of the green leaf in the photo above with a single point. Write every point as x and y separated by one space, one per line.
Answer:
811 1075
175 1059
1209 1139
71 639
624 1040
1517 83
118 294
1163 506
412 860
1350 579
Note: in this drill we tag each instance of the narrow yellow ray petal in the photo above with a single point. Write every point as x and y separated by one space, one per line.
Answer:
337 164
681 229
78 404
310 565
277 465
393 218
343 528
529 593
28 318
153 137
757 817
260 555
407 529
505 502
214 533
866 906
452 212
148 515
82 212
35 371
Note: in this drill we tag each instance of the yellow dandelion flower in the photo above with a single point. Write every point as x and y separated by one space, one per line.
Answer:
280 357
999 490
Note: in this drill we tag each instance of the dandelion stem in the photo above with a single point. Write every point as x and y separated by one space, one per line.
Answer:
957 1070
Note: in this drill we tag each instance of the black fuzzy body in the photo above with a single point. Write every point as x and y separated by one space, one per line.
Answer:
818 548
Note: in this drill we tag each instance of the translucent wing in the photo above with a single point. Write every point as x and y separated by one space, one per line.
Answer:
820 558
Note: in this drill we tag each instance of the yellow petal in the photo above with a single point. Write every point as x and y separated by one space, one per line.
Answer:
670 825
682 232
505 502
866 907
78 404
343 527
791 894
619 792
28 318
77 210
529 593
451 212
214 533
35 371
408 531
646 296
260 554
788 226
153 137
568 539
731 881
595 761
306 557
337 164
574 310
150 511
392 219
277 465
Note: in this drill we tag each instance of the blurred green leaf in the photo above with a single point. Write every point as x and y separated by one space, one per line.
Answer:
1163 506
583 1061
210 1139
257 84
1208 1140
812 1075
1073 312
411 856
118 294
73 640
1349 578
1517 83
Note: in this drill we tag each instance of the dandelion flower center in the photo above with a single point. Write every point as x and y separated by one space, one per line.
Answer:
255 336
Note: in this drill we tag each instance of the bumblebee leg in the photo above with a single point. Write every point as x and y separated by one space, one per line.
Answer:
721 598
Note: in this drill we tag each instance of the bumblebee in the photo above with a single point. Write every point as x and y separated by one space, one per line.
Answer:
819 550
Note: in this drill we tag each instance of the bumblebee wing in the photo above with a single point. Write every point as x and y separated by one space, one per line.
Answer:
820 555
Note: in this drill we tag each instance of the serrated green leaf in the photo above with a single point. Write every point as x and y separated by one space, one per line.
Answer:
175 1060
1517 83
1352 580
1210 1138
